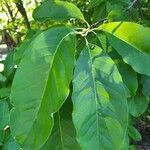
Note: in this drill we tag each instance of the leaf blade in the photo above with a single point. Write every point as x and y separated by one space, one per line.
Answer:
93 94
57 10
39 89
131 41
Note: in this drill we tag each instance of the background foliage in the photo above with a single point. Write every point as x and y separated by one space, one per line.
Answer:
18 29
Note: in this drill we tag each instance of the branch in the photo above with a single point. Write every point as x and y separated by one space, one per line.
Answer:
22 10
98 22
10 11
131 5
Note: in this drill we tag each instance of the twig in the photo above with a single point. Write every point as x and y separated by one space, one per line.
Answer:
98 22
131 5
21 9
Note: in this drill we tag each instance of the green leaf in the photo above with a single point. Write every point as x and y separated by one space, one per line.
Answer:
57 11
4 114
100 112
41 85
133 147
99 12
2 78
9 65
119 2
19 51
145 80
1 137
129 77
131 41
138 104
134 133
63 133
94 3
4 92
11 144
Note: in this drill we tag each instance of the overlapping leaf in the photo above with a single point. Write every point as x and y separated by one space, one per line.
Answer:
138 105
145 80
4 114
57 11
63 133
4 92
41 85
129 77
131 41
2 78
100 111
134 133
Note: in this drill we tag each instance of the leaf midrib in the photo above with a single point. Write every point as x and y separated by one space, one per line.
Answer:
95 97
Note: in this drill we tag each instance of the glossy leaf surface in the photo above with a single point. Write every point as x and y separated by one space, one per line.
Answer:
131 41
41 85
56 10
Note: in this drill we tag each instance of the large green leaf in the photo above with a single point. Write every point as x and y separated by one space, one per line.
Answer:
41 85
4 114
63 133
100 112
131 41
138 105
57 11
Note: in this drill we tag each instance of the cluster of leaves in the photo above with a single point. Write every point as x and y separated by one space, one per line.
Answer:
79 83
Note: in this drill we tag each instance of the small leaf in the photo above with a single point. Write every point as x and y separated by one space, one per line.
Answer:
134 133
4 114
1 137
137 105
99 12
100 111
94 3
129 77
57 11
11 144
4 92
41 85
131 41
2 78
133 147
145 80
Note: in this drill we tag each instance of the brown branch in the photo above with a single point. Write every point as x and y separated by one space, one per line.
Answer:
9 11
22 11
